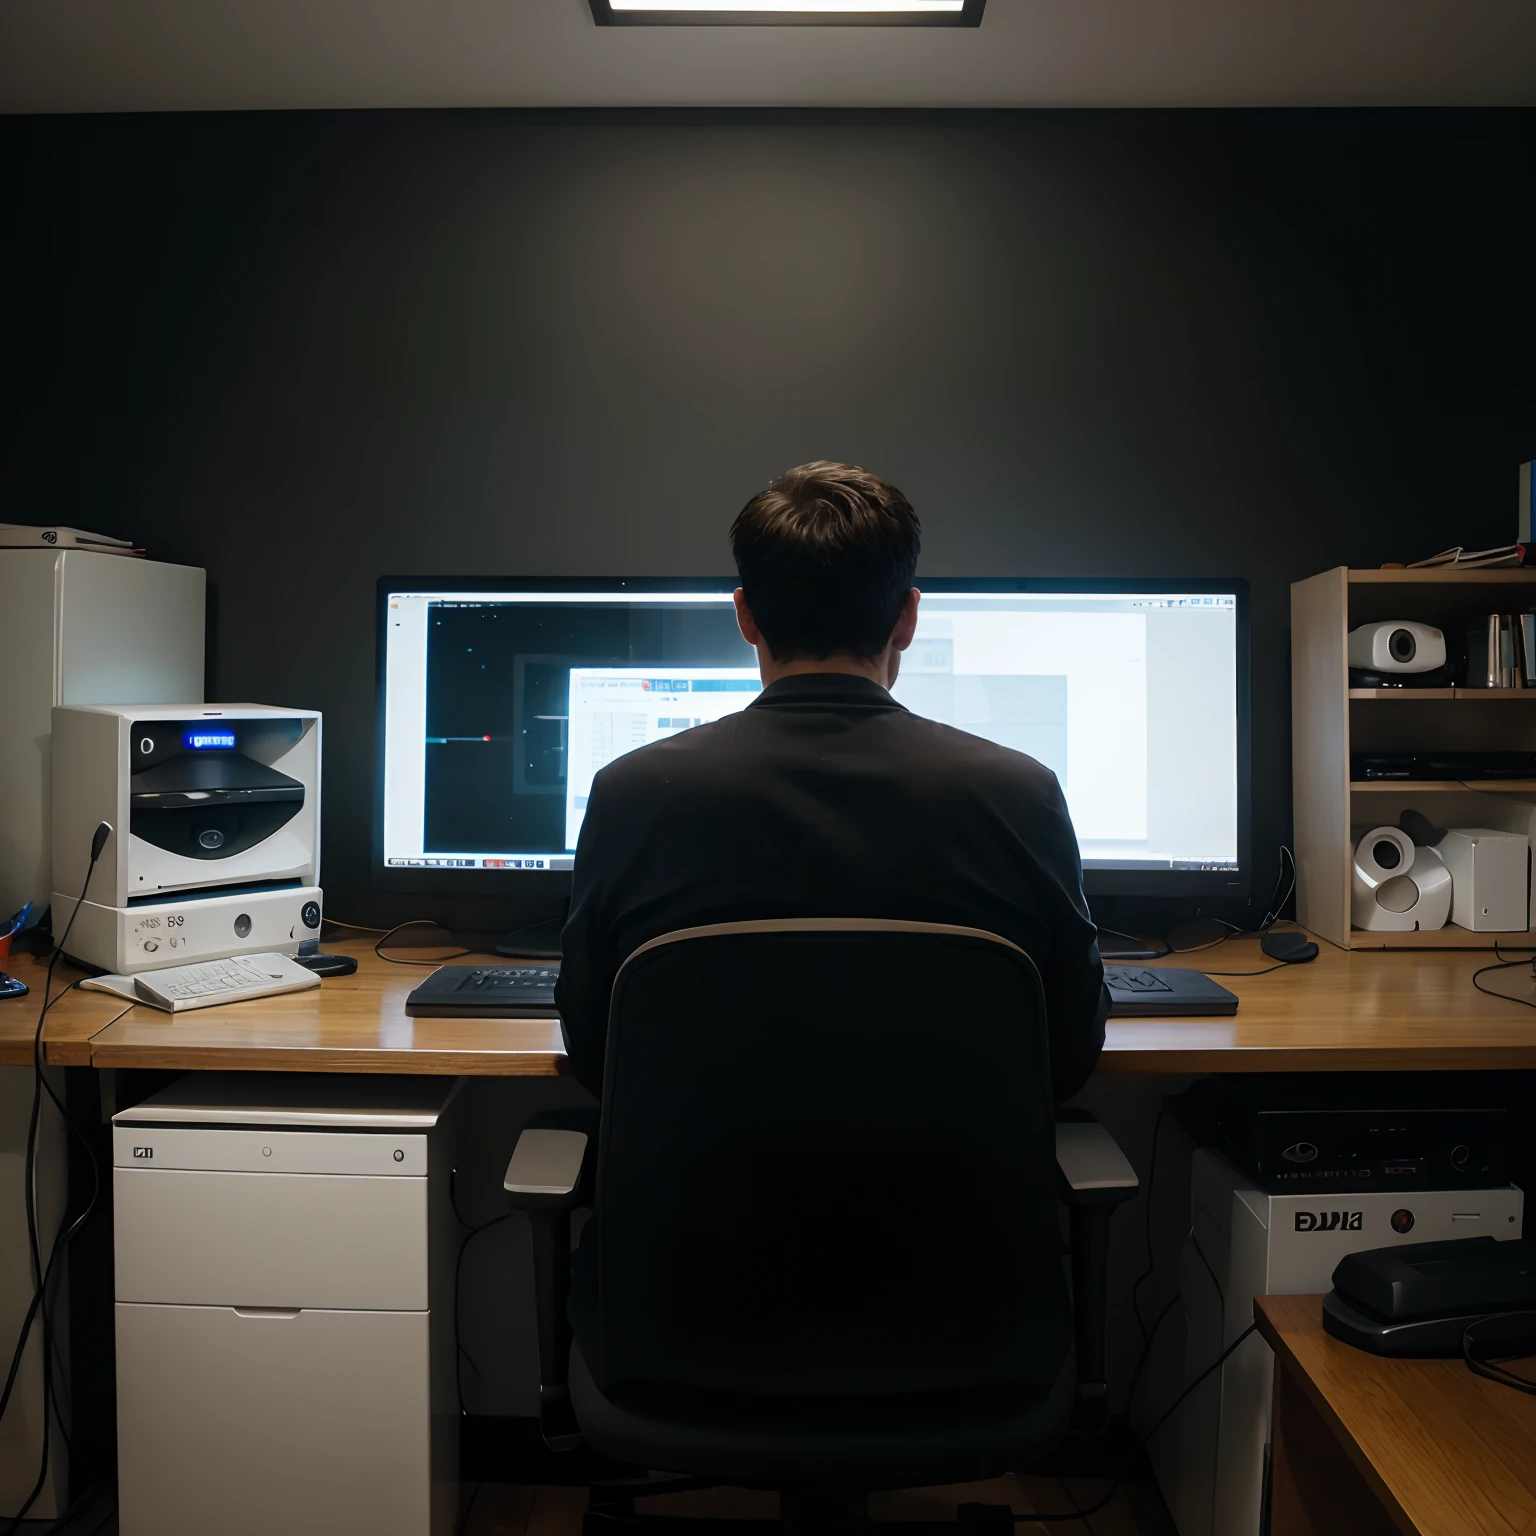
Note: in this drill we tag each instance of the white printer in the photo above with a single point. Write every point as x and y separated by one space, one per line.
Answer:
215 811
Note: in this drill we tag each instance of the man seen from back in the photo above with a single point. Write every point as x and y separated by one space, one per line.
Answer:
825 797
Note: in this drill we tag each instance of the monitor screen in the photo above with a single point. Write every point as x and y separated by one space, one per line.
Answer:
500 702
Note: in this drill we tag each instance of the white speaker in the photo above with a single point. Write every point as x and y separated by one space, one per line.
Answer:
1491 875
1398 887
1397 645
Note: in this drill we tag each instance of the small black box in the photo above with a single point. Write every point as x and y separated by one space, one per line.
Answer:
1293 1133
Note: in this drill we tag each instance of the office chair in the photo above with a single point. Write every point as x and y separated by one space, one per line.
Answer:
825 1255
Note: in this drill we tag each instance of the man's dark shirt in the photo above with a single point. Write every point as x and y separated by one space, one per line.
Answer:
825 798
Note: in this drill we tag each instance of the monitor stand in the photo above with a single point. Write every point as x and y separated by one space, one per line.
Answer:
534 941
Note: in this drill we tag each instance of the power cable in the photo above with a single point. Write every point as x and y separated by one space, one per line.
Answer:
1071 1499
460 1353
1146 1349
1272 913
1501 964
1489 1369
42 1271
1279 965
469 1509
1146 1274
415 922
1221 1295
1143 1440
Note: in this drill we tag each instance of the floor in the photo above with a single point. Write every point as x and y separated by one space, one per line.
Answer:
505 1509
1135 1510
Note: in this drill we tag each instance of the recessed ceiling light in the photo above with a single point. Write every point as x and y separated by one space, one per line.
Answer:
787 13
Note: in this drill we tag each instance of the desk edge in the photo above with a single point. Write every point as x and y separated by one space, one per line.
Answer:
1285 1360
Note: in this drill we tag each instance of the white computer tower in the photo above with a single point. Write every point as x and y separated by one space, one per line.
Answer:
284 1258
1211 1457
78 627
215 850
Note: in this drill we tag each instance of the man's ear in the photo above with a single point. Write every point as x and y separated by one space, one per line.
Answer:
906 625
745 622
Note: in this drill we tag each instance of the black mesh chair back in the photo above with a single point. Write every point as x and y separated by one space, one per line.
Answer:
826 1169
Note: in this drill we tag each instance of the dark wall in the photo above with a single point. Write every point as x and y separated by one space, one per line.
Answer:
307 350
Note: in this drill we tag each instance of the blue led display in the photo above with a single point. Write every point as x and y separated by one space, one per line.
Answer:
208 741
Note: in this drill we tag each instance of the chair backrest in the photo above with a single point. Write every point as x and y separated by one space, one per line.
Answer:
827 1165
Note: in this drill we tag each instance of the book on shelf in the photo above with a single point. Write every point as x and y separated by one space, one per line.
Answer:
53 536
1501 651
1511 556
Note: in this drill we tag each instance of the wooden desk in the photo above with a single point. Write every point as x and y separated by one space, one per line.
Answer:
72 1022
1364 1445
1413 1010
1346 1011
348 1024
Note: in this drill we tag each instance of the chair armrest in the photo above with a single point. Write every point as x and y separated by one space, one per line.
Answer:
552 1159
545 1170
1091 1169
547 1177
1092 1179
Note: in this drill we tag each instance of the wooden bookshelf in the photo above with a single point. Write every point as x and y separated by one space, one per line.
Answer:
1444 695
1439 575
1329 719
1443 786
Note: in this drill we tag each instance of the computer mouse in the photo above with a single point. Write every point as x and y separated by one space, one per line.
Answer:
1288 945
328 965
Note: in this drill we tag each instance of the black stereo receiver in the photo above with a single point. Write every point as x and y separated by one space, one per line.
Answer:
1295 1134
1411 767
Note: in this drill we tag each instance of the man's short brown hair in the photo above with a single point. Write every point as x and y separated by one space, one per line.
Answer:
826 557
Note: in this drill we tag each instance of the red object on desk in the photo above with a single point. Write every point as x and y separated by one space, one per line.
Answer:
9 985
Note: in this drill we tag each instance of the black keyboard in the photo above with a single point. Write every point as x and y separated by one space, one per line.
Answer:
485 991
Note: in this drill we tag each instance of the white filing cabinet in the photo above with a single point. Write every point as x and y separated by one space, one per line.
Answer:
284 1275
1210 1458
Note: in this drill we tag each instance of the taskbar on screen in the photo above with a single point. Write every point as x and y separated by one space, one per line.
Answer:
499 861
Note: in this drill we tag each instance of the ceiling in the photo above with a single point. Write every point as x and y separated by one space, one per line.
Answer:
179 55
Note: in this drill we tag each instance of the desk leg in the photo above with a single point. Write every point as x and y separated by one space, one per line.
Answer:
1315 1489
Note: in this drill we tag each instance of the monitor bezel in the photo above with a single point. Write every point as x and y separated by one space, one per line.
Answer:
556 884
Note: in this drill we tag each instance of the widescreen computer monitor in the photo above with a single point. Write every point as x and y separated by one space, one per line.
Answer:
500 700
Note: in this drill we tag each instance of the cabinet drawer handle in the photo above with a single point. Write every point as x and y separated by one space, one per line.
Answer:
267 1311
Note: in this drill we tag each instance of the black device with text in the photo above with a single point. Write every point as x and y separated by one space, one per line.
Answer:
1463 766
1294 1133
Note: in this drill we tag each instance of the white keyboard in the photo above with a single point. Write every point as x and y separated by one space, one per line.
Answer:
179 987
